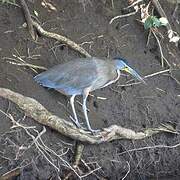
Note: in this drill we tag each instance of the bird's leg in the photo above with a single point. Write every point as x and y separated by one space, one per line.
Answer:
85 95
75 120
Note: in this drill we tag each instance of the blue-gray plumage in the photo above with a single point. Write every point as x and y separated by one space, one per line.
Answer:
83 75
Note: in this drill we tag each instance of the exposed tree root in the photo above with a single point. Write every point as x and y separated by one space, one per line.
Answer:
79 147
35 110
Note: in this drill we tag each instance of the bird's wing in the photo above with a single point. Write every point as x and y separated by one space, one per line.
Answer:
73 76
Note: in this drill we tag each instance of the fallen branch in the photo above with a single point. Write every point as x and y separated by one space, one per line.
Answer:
40 114
52 35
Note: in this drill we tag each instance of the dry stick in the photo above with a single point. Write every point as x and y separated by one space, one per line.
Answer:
28 65
122 16
28 19
160 146
35 110
175 10
55 36
145 77
161 51
129 168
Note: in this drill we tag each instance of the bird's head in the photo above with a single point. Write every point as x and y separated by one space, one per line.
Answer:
123 65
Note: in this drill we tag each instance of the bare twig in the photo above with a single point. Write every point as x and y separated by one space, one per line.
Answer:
161 51
19 61
129 168
122 16
36 111
175 11
161 146
10 174
28 65
145 77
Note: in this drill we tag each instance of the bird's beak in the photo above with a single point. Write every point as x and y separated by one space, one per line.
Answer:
134 73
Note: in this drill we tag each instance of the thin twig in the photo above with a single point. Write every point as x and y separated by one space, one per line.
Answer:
122 16
161 51
145 77
129 168
150 147
28 65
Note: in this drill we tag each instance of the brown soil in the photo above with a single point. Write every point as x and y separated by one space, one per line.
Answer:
134 107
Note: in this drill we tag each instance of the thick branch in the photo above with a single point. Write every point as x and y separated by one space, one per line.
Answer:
61 38
40 114
43 32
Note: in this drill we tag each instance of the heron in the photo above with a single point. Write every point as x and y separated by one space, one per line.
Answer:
82 76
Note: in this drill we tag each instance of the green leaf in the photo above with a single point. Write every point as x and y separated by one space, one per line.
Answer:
152 22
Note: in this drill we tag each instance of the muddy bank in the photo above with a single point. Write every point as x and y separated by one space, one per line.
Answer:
134 107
